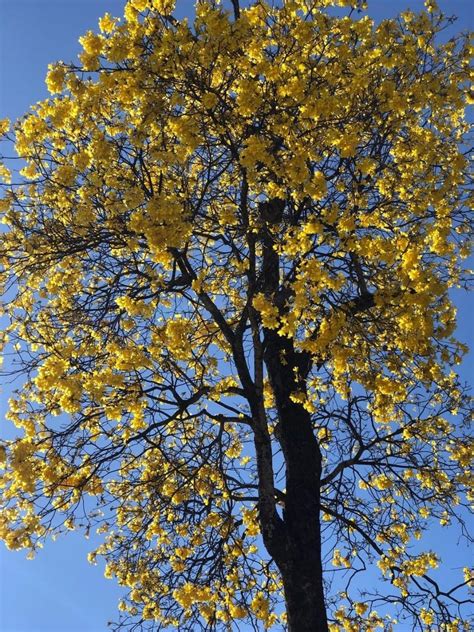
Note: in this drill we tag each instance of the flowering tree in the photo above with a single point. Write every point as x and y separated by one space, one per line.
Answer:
226 267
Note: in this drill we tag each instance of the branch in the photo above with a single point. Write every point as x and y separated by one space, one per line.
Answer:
235 4
354 526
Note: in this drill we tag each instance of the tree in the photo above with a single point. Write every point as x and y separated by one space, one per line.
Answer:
226 268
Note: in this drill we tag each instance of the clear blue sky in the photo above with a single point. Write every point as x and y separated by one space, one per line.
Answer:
59 590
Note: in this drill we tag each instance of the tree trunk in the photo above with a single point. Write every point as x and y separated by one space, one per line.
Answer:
299 559
294 541
304 600
301 566
302 576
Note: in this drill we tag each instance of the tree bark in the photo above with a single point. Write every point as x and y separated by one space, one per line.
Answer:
299 560
294 541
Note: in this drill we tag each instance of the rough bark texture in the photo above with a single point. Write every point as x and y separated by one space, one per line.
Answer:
294 541
299 560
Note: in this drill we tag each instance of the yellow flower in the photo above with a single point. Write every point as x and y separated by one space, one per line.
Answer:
4 126
107 23
55 77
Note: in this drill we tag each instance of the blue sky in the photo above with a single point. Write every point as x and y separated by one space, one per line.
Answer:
60 591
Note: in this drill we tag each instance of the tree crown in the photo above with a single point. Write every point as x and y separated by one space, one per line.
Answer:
218 225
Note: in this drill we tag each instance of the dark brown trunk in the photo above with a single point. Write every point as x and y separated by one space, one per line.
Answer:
302 576
294 541
301 564
305 606
299 560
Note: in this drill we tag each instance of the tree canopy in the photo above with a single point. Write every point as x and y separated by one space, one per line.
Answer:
226 265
